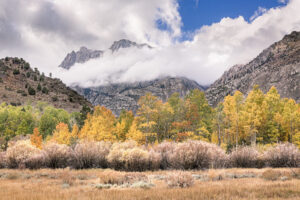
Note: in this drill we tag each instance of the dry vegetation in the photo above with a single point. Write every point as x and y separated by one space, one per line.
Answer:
108 184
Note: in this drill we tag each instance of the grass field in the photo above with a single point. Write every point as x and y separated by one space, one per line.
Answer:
93 184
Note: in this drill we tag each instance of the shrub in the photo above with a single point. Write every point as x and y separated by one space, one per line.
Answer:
16 72
18 153
135 159
115 155
31 91
283 155
39 87
112 177
119 178
58 155
165 149
26 66
271 175
195 155
180 179
2 160
91 154
54 99
45 90
245 157
36 161
155 160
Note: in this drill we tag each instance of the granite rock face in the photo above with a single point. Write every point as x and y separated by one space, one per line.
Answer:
278 65
117 97
83 55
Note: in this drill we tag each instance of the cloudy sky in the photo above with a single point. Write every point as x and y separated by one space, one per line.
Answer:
198 39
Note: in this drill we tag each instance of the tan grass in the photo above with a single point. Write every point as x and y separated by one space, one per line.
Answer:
47 184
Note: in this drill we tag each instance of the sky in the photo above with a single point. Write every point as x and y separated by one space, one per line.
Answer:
198 39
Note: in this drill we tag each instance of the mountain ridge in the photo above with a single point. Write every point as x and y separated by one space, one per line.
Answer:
84 54
124 96
277 65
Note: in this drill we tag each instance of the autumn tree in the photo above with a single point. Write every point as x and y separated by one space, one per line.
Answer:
147 114
61 134
232 108
99 126
123 125
199 113
252 114
272 110
135 134
218 121
36 138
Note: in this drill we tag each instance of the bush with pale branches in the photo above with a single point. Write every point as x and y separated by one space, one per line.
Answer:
91 154
58 155
283 155
19 152
245 157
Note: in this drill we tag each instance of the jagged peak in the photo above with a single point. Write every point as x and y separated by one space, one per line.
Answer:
125 43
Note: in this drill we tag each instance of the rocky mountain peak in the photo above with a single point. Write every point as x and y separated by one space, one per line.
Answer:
83 55
123 43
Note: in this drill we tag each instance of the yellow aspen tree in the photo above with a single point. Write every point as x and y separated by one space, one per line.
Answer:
135 134
253 113
61 134
74 133
289 118
36 138
272 110
100 126
232 108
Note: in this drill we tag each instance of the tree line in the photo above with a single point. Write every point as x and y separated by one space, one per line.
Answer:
257 118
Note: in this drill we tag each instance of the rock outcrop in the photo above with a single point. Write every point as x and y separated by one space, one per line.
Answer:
126 95
278 65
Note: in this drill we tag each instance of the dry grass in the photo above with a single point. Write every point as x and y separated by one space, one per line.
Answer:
235 184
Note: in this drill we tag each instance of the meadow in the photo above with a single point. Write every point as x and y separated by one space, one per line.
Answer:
267 183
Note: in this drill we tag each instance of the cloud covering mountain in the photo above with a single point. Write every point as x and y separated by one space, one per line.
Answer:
44 31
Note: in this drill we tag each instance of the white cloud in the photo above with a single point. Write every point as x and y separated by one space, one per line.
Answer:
44 31
260 11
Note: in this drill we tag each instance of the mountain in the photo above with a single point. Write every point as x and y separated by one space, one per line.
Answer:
126 95
19 84
126 44
278 65
84 54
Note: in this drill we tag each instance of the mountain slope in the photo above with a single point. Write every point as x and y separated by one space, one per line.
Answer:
125 96
19 84
278 65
